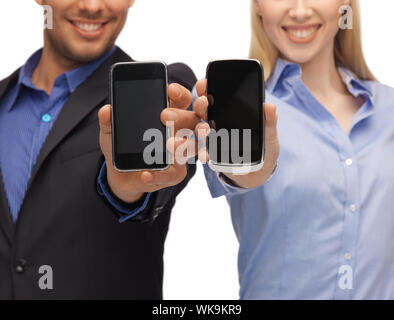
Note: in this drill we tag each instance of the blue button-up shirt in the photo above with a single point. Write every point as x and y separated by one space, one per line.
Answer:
323 226
27 115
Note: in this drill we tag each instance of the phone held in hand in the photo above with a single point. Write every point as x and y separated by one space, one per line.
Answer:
138 96
235 92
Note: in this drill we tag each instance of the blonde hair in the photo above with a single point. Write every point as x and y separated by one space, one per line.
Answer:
347 47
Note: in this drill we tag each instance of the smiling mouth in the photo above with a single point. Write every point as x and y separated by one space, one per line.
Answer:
88 26
301 34
89 29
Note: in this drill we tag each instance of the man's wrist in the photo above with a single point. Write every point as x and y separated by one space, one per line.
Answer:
126 210
127 197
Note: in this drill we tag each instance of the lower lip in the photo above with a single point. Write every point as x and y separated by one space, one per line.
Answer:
89 34
294 39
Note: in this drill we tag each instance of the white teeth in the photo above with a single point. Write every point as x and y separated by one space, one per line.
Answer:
301 33
88 27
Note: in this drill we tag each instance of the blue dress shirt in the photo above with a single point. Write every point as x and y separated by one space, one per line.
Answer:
323 226
27 115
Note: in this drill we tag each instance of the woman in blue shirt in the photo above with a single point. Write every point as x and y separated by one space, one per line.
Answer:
323 226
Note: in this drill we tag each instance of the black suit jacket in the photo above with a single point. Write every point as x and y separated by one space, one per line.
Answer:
64 222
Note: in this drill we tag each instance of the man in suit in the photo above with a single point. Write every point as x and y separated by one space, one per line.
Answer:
60 197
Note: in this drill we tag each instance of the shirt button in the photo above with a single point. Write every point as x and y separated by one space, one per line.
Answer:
46 117
349 162
352 208
20 266
348 256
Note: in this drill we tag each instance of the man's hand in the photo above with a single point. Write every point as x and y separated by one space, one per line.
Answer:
131 186
272 148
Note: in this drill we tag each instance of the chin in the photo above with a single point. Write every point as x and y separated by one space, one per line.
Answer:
299 57
86 53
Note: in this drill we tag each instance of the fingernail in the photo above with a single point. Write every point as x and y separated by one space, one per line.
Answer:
147 176
177 92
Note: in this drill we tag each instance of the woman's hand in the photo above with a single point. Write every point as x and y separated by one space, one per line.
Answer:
272 148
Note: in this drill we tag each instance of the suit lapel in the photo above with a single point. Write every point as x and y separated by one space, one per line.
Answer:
81 102
6 223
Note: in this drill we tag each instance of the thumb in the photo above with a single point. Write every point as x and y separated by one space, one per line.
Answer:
272 147
271 119
104 116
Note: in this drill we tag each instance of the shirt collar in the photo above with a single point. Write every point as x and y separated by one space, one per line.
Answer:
285 69
73 77
355 86
24 77
76 76
28 68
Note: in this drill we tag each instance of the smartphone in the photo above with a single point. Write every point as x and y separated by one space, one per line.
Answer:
138 96
235 92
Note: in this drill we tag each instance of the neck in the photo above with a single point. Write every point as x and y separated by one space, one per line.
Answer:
321 76
51 65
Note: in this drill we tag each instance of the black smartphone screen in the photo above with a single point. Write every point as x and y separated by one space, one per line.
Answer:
235 92
139 94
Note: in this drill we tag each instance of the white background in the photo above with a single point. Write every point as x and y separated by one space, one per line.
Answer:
201 248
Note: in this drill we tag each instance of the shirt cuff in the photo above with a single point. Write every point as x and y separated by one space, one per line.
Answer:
231 188
219 185
127 210
229 185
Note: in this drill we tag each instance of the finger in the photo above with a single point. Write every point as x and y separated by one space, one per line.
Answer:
179 96
200 107
202 130
183 148
146 177
172 176
181 119
151 180
271 136
203 155
271 119
174 142
201 87
104 116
